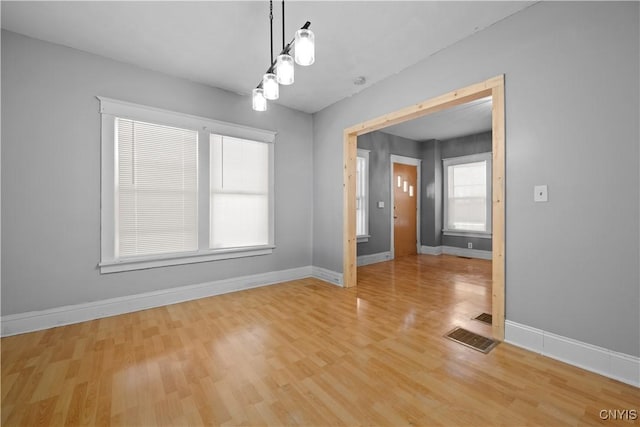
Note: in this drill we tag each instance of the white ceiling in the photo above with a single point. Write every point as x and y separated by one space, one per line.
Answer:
226 44
466 119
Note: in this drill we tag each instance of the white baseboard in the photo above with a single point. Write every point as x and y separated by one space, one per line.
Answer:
431 250
327 275
471 253
373 258
452 250
619 366
37 320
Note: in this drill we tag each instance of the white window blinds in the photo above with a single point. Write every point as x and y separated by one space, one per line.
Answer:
156 190
239 185
467 196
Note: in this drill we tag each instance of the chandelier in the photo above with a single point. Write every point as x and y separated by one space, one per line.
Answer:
281 71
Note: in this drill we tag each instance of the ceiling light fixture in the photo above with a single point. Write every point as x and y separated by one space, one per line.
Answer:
281 71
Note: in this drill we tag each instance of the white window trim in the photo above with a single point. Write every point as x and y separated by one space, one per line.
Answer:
459 233
365 237
452 161
164 260
110 109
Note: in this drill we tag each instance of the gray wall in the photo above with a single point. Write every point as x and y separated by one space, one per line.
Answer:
382 145
572 108
467 145
431 197
51 175
431 152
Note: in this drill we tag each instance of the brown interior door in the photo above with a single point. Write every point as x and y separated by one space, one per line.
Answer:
405 196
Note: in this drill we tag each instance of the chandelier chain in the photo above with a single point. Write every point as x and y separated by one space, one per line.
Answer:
271 29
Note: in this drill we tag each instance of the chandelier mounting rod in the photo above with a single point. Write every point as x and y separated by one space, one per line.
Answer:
271 29
281 70
285 50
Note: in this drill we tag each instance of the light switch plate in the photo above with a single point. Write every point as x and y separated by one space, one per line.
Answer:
381 205
540 193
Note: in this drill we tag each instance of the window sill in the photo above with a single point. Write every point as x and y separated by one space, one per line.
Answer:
459 233
140 263
362 239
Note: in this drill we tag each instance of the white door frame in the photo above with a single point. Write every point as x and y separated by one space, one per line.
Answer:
412 162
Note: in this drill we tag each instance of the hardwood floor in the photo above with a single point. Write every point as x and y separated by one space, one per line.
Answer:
306 353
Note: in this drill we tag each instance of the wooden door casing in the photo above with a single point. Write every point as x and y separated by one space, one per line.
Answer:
493 87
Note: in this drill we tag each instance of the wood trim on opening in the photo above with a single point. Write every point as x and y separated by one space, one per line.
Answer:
493 87
349 218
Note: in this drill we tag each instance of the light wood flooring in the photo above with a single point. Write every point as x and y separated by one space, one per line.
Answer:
302 353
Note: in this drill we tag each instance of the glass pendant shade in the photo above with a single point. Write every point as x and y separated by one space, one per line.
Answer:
284 69
258 100
305 47
270 86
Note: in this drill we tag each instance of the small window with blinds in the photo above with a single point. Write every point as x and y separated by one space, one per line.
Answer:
467 187
180 189
362 195
157 189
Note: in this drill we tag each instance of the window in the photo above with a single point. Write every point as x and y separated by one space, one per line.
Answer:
239 192
362 195
467 194
179 189
157 189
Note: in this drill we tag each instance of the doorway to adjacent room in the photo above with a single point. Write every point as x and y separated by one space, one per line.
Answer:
494 88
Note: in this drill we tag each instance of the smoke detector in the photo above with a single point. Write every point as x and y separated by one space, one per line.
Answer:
360 80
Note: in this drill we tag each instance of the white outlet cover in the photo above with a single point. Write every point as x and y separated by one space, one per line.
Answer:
381 205
540 193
